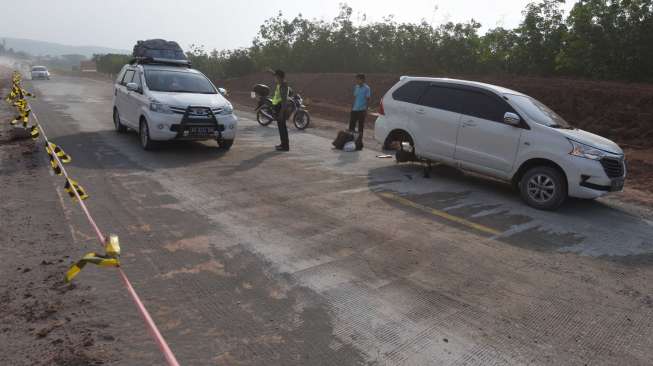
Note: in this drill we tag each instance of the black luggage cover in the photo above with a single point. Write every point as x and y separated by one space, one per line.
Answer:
159 48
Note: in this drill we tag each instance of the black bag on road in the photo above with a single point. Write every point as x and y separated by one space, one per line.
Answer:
343 138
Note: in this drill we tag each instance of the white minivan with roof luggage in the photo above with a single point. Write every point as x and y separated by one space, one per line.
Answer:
159 95
499 133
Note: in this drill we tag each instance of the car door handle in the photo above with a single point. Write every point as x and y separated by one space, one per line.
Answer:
419 111
469 124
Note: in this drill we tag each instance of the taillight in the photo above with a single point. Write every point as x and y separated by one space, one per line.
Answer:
381 110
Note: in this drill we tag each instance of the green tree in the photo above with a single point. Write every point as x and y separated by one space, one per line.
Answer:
539 37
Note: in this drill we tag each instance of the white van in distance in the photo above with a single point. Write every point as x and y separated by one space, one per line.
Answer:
40 72
500 133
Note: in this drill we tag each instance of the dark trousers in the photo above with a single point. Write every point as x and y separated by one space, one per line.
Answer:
282 117
357 117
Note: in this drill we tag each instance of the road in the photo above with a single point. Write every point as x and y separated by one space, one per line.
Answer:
319 257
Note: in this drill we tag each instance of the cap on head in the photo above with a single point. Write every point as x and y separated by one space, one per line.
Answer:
280 73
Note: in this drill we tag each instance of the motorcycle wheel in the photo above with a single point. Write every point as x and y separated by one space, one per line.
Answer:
302 119
263 119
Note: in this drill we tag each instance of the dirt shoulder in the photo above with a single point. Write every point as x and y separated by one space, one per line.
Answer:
44 321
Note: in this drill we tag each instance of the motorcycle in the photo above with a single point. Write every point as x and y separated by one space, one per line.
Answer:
266 113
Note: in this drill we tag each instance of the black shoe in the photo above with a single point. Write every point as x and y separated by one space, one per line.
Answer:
359 146
282 148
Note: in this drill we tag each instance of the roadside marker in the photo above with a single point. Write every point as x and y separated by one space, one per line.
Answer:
441 214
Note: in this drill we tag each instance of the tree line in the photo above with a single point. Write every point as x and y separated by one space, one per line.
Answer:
599 39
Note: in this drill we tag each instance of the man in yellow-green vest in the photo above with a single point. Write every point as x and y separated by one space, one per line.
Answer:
280 101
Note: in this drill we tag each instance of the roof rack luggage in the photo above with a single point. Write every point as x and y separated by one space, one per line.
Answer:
159 51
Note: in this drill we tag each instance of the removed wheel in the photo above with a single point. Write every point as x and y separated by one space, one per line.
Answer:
543 188
302 120
120 128
225 144
144 132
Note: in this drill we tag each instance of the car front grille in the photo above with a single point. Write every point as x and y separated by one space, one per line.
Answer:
179 110
613 167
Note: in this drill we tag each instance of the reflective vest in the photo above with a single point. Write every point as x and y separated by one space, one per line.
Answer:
276 98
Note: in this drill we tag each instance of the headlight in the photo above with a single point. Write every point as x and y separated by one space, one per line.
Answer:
229 109
586 151
160 107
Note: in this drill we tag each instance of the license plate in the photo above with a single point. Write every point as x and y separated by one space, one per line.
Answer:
201 131
617 185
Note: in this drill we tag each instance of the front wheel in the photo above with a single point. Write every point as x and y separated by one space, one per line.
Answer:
144 132
543 188
264 117
225 144
302 119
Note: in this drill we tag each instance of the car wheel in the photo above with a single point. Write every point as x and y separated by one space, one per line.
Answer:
403 145
144 134
225 144
120 128
543 188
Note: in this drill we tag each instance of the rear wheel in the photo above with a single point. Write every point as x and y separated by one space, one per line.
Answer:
120 128
144 134
302 119
264 117
543 188
403 144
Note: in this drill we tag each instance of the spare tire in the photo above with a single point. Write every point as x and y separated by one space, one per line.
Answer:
159 48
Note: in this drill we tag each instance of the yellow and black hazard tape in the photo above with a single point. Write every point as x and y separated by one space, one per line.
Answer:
110 258
72 186
17 98
35 132
53 150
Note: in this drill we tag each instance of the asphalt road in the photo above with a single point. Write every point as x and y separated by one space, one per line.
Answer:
320 257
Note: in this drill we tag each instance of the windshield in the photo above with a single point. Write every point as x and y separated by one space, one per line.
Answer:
178 82
38 68
537 111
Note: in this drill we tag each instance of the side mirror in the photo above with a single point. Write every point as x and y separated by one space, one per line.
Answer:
223 91
511 119
132 87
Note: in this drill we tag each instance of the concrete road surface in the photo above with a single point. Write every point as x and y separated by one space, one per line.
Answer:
319 257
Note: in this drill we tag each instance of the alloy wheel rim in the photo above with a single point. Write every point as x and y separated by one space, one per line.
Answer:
541 188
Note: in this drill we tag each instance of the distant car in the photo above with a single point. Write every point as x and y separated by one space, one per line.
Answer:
40 73
167 100
499 133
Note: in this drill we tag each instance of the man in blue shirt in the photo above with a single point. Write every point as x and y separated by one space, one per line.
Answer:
362 95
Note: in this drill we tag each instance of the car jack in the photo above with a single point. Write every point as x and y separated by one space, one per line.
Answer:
408 155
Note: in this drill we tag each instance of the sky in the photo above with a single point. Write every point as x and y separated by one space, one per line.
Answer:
219 24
